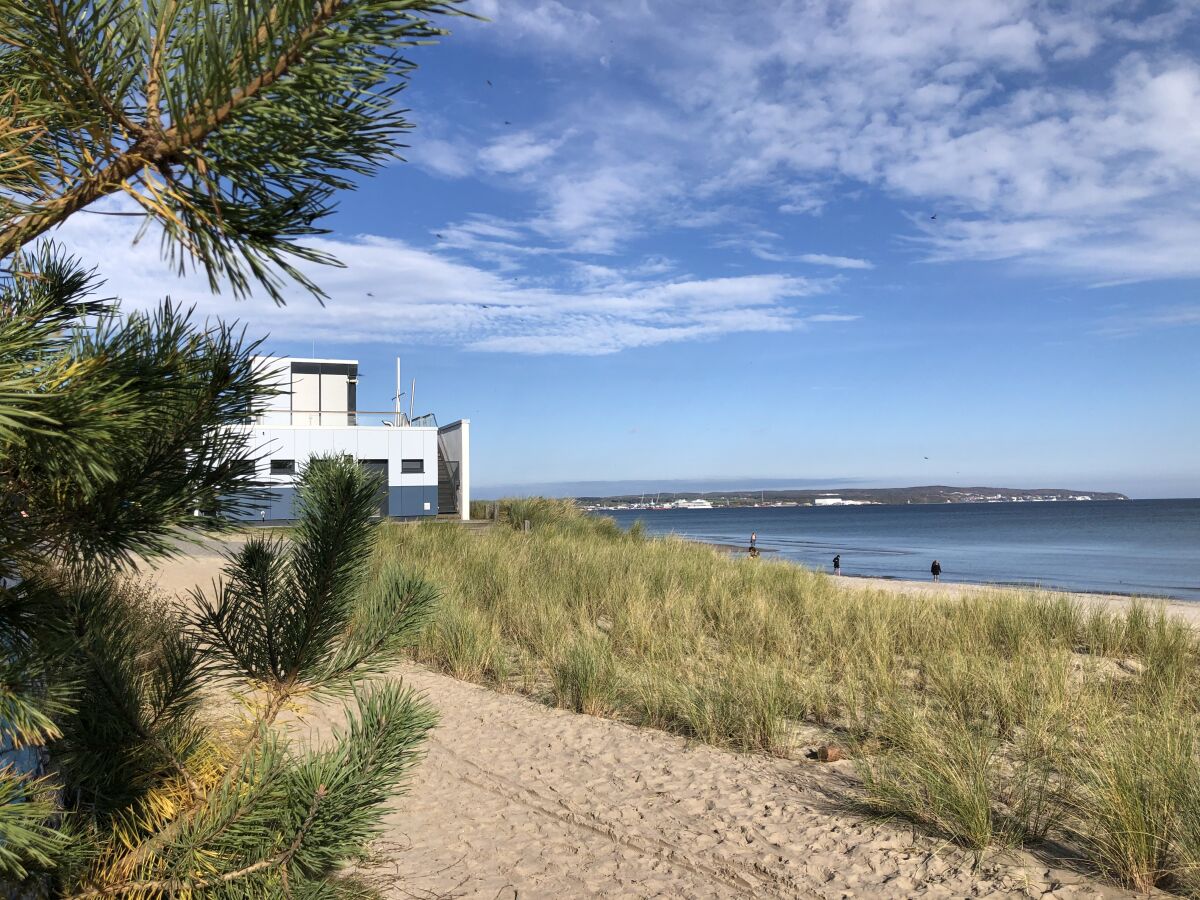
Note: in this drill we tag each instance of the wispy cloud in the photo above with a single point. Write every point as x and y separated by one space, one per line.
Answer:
766 245
391 291
837 262
1065 136
1129 325
518 152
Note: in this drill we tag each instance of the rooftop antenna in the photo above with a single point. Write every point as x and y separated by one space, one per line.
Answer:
412 396
397 397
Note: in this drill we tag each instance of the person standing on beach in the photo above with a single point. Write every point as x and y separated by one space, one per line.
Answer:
936 570
753 544
837 564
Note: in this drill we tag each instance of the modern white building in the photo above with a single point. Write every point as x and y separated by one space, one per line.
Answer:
426 469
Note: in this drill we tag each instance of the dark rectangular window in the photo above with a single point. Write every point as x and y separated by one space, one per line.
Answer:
245 471
283 467
412 466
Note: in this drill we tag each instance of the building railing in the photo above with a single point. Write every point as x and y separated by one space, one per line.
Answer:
317 418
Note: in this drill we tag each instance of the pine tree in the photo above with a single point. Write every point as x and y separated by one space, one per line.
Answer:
230 126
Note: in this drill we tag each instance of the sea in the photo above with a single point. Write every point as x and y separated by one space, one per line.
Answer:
1148 548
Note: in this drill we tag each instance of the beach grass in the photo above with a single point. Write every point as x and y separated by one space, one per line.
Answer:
993 721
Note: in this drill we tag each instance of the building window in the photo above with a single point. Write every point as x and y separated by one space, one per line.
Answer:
283 467
245 471
412 466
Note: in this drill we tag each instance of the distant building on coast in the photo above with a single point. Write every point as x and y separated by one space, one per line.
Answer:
426 469
838 501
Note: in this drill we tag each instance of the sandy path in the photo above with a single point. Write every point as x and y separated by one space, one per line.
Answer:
517 800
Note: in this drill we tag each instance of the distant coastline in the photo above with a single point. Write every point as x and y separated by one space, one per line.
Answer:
845 497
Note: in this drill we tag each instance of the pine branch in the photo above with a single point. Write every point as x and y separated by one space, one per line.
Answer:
99 669
175 886
216 240
154 72
77 64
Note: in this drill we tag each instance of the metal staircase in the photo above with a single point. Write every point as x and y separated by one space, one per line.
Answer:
447 496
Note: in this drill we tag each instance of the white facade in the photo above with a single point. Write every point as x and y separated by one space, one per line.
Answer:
425 469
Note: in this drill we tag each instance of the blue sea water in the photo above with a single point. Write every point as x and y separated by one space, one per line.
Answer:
1145 547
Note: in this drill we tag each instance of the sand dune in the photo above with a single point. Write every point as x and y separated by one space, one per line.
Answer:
518 800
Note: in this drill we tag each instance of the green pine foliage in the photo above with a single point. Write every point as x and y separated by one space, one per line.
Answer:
152 789
228 127
231 125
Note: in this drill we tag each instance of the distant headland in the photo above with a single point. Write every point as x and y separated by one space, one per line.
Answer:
936 493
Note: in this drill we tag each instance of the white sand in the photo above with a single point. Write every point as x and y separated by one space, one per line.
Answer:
517 800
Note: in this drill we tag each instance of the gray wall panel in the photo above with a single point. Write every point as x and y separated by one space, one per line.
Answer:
410 503
283 506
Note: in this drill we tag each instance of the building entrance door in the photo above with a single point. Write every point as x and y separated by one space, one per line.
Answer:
378 468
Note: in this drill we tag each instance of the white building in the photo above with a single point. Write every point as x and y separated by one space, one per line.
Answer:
426 469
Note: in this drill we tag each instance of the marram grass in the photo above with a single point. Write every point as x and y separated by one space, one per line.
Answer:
995 720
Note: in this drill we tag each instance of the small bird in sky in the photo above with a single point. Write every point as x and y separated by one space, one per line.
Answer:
439 236
934 216
369 294
927 457
489 82
506 122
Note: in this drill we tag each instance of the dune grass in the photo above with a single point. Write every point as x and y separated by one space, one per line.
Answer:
994 721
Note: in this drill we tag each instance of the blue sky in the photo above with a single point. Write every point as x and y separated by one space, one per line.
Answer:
667 242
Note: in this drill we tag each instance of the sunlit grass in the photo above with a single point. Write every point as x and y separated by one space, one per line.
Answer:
993 720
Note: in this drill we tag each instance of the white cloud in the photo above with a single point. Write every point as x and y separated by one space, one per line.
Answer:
452 159
763 244
837 262
517 152
1015 120
390 291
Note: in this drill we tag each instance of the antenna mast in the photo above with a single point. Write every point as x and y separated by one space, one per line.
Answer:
397 397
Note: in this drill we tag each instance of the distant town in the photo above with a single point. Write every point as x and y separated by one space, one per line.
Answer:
847 497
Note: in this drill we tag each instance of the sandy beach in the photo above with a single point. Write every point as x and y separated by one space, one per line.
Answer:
516 799
1115 602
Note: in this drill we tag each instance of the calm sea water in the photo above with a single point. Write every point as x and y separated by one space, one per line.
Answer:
1145 547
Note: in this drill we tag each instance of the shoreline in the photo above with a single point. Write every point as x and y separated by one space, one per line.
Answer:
1188 610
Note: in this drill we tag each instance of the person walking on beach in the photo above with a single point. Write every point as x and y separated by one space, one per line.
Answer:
837 564
936 570
753 544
